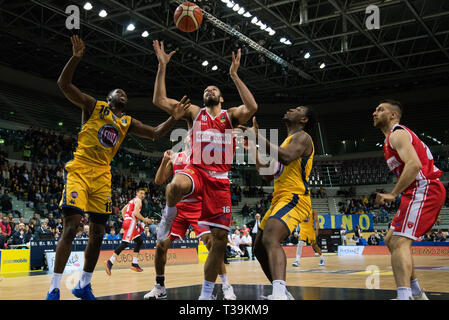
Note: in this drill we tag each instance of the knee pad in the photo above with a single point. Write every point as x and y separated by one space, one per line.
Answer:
139 243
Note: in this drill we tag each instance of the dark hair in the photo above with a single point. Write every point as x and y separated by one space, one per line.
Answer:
395 103
312 119
140 189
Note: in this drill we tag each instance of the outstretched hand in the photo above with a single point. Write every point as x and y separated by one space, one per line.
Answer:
235 62
181 108
382 198
254 128
162 57
78 47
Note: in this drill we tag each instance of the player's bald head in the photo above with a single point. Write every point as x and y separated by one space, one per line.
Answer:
394 106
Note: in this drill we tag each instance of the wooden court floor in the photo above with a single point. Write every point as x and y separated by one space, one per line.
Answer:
339 272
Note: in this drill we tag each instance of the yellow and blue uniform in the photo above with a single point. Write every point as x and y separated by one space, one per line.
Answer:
291 202
87 177
307 229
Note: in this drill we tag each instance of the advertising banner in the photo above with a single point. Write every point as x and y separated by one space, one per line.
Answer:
15 260
74 264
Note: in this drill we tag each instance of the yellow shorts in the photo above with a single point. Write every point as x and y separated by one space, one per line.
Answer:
290 208
87 188
307 232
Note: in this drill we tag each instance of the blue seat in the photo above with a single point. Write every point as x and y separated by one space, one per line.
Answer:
362 242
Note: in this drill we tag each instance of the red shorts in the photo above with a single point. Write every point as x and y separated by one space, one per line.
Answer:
419 209
214 188
131 229
188 214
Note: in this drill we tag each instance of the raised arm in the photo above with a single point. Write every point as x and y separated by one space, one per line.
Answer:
243 113
82 100
160 98
149 132
165 169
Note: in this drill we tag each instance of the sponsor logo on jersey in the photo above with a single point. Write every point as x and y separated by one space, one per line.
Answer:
72 201
74 194
124 122
203 118
223 118
393 163
108 135
410 225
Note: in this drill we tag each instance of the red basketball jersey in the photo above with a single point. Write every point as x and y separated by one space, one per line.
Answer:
213 145
129 212
179 163
428 171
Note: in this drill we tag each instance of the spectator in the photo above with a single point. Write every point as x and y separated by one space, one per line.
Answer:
5 231
293 239
11 222
440 236
153 229
146 234
254 227
21 236
245 242
37 221
357 233
85 233
53 208
59 225
372 240
245 210
112 235
343 234
51 221
323 193
6 202
43 232
235 242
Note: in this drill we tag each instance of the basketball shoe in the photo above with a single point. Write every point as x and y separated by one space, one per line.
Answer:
157 293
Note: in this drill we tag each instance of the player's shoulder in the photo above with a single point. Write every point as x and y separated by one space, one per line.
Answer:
400 136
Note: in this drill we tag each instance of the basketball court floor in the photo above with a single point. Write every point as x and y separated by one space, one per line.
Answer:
343 278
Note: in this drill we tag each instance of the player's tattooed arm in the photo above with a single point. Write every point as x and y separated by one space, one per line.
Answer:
149 132
82 100
243 113
165 169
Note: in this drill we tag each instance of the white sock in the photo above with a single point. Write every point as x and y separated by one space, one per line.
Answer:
55 281
208 288
112 259
134 260
404 293
298 252
85 279
224 279
416 289
321 257
279 288
170 211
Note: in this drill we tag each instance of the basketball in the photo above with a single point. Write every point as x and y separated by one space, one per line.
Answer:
188 17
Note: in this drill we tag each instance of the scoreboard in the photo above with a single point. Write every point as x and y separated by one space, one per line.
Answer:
329 240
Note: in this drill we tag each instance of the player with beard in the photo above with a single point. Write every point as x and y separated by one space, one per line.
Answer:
291 203
422 194
212 154
87 177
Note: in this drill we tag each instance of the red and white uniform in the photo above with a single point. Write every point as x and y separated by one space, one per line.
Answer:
189 208
421 202
210 159
131 225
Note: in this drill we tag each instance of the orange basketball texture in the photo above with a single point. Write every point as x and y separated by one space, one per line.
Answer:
188 17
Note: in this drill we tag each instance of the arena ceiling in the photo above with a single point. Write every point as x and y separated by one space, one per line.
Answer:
411 48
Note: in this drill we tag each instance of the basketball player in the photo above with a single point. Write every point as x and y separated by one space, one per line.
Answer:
307 234
131 215
422 194
189 211
291 203
213 148
88 177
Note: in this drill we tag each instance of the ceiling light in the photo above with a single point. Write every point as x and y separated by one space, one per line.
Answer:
254 20
214 68
230 4
103 13
247 14
225 1
241 11
205 63
145 34
87 6
282 40
236 7
322 65
288 42
263 26
130 27
307 55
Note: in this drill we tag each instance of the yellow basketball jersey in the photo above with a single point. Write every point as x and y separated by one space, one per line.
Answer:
101 136
294 177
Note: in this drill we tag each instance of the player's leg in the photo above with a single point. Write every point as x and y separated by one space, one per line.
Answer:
261 255
402 264
97 224
214 261
228 290
180 186
160 260
135 263
71 219
127 236
301 243
275 232
318 250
